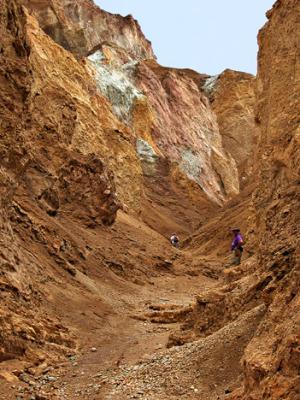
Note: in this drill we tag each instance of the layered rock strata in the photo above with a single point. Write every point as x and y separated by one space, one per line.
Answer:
168 113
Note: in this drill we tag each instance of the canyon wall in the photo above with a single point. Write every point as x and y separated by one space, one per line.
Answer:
80 26
91 123
272 359
41 175
269 275
169 117
233 99
164 109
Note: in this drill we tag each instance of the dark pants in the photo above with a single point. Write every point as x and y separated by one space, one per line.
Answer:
237 256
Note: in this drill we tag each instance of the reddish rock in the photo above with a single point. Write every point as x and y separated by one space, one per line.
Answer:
80 26
184 129
181 125
78 135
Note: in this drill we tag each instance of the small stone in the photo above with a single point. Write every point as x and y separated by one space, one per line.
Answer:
51 378
48 369
93 349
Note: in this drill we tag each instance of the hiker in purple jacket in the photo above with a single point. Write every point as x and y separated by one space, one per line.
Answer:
237 245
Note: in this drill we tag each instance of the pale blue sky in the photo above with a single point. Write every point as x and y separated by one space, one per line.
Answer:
206 35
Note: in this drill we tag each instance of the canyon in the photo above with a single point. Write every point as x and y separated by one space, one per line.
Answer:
104 154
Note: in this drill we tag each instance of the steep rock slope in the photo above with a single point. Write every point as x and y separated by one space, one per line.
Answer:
79 26
272 359
170 118
165 110
185 129
232 95
269 274
40 177
77 114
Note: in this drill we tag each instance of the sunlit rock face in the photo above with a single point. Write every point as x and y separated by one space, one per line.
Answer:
64 104
43 173
232 98
80 26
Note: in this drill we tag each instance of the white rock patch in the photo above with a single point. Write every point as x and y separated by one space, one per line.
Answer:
210 84
114 82
145 151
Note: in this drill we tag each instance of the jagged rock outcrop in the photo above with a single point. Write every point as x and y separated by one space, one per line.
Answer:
65 102
79 26
232 97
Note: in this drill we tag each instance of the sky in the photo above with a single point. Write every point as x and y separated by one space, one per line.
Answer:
205 35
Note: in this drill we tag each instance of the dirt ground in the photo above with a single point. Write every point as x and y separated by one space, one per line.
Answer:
129 292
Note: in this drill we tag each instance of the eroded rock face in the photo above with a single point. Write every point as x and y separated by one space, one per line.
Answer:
272 359
28 129
41 176
164 107
232 97
271 275
80 26
184 128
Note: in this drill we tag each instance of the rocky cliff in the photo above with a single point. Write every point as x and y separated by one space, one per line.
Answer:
272 359
41 176
165 109
232 96
80 26
91 124
269 276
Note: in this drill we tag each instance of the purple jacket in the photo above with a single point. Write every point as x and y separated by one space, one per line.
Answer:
237 242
